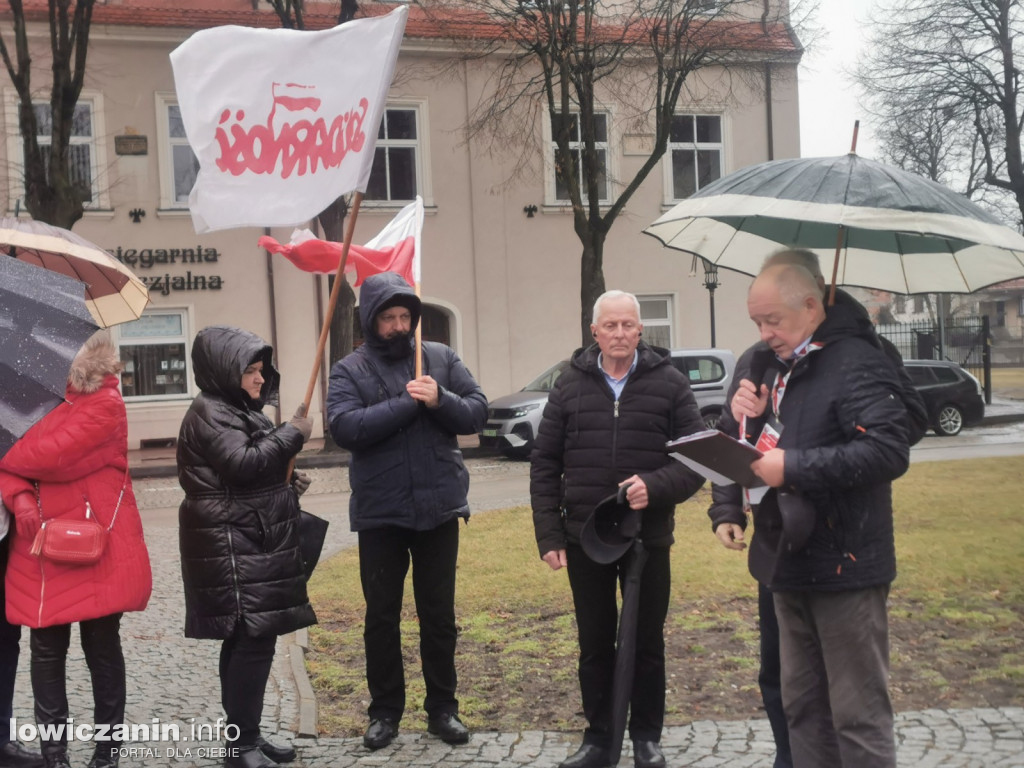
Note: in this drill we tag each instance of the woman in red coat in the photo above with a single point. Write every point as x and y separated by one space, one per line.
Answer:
77 453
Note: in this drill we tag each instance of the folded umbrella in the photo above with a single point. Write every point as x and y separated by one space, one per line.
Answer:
43 324
113 293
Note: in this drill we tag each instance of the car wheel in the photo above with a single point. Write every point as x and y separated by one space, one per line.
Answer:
711 418
950 421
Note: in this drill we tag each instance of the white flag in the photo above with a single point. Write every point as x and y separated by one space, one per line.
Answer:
283 121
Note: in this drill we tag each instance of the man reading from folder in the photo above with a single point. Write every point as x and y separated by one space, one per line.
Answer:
828 400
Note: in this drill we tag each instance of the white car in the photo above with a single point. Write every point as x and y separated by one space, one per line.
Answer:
512 420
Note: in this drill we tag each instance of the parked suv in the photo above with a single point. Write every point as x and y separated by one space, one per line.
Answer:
512 420
952 396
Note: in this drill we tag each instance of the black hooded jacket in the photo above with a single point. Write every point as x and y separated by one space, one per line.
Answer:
845 434
588 443
406 467
238 524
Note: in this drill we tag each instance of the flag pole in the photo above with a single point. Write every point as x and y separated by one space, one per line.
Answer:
332 303
419 336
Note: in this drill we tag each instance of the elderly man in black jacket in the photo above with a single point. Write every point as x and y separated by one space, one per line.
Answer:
409 490
832 402
606 424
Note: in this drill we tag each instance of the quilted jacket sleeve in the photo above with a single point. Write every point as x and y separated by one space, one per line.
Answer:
674 482
462 406
356 424
546 466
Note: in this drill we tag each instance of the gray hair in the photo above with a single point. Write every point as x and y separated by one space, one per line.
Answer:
800 257
609 295
794 282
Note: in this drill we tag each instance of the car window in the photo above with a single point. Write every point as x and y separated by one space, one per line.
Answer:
546 381
945 375
920 375
700 370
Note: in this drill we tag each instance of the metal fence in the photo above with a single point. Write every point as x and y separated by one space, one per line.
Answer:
964 340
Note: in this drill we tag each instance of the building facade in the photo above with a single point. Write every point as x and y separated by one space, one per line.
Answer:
501 262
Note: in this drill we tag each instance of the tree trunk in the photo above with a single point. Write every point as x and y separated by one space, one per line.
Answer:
591 278
332 219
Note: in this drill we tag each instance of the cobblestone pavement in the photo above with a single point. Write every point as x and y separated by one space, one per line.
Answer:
173 686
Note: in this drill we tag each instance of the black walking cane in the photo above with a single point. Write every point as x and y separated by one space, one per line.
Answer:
611 531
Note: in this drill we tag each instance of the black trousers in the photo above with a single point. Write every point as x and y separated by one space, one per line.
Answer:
770 677
101 643
384 556
594 596
10 648
245 663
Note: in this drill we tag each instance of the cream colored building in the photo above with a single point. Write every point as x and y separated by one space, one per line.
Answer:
500 258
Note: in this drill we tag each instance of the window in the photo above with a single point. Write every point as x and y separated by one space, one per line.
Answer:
178 164
154 351
396 174
561 189
696 152
700 370
656 315
86 155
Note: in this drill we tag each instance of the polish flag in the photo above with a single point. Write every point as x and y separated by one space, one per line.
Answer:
395 249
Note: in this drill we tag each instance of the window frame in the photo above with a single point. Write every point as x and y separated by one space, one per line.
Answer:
668 321
694 146
551 183
165 155
185 339
97 146
421 145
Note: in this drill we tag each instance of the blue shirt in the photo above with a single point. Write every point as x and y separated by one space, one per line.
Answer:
617 384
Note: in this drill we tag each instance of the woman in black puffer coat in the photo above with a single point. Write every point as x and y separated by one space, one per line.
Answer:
238 527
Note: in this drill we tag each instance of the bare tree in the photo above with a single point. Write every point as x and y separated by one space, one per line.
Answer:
943 81
52 192
557 60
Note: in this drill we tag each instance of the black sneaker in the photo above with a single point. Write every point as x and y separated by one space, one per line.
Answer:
448 728
381 732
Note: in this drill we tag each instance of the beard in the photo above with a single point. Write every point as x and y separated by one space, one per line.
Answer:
398 346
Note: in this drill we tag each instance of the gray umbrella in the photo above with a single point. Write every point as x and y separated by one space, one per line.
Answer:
43 324
880 226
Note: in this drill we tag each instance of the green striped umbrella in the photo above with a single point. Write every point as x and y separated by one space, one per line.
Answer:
882 227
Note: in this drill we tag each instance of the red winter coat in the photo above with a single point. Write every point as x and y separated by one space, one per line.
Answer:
78 451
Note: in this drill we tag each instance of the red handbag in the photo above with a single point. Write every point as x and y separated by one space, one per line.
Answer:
75 542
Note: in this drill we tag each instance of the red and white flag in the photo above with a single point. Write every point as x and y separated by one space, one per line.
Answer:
395 249
282 121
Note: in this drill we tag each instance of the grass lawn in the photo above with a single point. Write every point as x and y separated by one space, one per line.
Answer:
1008 382
957 614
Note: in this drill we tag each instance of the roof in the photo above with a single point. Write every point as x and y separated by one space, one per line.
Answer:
424 24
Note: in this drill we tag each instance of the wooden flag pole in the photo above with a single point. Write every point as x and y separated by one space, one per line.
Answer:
841 232
419 336
332 302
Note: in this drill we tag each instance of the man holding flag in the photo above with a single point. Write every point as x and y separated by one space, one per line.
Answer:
409 489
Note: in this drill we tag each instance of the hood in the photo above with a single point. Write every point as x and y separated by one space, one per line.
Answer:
220 354
96 360
847 317
376 291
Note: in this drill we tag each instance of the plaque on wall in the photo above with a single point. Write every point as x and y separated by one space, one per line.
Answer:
131 144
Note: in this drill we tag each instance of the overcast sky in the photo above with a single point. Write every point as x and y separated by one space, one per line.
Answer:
828 102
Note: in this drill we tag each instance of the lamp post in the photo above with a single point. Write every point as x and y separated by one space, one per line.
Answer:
711 282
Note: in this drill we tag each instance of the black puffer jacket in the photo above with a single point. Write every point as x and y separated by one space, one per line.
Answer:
238 524
406 467
587 444
845 437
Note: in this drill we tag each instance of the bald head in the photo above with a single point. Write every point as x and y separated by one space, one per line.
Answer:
798 257
785 303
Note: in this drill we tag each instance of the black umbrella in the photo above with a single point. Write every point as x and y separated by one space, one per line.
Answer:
612 531
43 324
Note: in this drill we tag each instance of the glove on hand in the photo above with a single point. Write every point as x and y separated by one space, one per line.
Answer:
302 423
301 482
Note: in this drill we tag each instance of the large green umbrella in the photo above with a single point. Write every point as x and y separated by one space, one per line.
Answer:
881 227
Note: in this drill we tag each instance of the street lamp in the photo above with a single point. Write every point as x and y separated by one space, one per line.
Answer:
711 282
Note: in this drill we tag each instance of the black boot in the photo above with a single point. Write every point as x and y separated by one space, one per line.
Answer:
105 756
56 757
248 756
